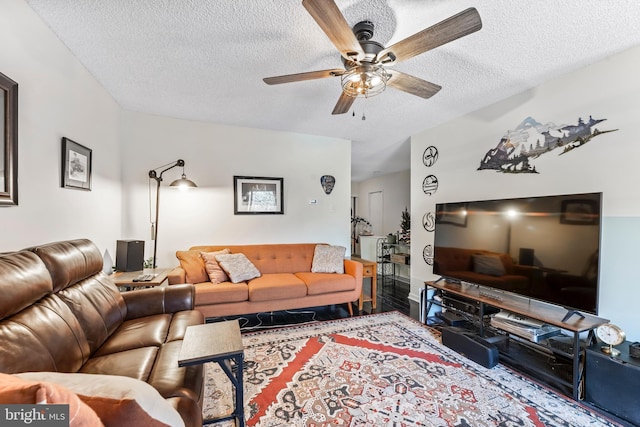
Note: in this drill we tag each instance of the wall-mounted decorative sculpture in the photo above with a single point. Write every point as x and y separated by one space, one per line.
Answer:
427 254
328 182
429 221
430 156
430 185
531 139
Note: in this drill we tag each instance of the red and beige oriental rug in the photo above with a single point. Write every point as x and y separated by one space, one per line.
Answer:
381 370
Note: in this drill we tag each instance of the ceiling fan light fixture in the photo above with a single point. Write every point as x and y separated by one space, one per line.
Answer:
365 80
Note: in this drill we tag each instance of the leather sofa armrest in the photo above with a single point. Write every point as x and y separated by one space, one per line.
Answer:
354 268
159 300
177 275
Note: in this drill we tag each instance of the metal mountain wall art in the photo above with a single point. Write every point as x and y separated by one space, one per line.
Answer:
531 139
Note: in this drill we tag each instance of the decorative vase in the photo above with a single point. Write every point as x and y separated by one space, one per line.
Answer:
107 263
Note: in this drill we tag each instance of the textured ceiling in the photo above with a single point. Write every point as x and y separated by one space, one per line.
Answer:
205 60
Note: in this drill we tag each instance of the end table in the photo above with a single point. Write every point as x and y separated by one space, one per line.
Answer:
219 342
368 270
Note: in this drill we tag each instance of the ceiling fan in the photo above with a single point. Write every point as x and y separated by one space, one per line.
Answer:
366 69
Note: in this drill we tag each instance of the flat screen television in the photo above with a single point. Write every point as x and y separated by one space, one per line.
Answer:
546 248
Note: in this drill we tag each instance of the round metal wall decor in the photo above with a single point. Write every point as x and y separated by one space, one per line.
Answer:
430 156
429 221
430 185
427 254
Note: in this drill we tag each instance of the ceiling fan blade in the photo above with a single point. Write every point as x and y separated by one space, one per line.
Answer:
412 85
344 104
299 77
332 22
464 23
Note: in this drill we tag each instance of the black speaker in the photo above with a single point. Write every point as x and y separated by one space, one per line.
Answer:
527 256
471 346
611 383
129 255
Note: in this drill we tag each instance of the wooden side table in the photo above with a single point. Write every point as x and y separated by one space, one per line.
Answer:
125 278
368 270
219 342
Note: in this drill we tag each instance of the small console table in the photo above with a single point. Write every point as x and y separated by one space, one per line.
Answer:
126 280
217 342
527 307
368 270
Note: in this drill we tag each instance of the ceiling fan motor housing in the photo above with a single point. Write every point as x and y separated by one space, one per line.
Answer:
363 30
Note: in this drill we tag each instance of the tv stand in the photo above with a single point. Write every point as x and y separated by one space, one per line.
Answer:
571 313
530 357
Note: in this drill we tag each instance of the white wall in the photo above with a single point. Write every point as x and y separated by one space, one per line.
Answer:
57 97
609 89
213 154
395 189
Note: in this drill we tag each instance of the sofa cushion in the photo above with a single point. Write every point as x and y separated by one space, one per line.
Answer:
328 259
488 264
172 380
215 272
324 283
180 321
193 265
70 261
135 333
238 267
276 286
25 279
136 363
45 336
208 293
98 306
117 400
17 390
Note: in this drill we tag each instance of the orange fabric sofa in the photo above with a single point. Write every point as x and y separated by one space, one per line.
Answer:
286 281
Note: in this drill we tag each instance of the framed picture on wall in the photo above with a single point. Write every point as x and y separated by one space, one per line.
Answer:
8 141
452 213
76 165
258 195
579 212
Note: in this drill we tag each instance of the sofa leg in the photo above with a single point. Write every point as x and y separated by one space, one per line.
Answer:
349 306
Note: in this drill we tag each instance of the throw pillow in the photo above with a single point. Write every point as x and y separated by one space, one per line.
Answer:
238 267
328 259
117 400
193 266
215 272
16 390
488 264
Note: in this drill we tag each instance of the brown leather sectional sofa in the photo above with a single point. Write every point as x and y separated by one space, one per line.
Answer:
286 280
59 312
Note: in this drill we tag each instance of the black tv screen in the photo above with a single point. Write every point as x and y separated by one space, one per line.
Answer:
546 248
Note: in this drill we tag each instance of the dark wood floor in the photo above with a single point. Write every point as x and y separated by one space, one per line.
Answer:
392 295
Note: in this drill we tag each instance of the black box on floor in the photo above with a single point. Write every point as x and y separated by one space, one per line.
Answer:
612 383
471 345
129 255
450 318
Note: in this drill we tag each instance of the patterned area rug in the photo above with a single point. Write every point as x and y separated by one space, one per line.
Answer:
381 370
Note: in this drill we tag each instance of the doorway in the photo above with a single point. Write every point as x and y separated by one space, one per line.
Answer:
376 214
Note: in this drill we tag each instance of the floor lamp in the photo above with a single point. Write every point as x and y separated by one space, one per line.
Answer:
183 183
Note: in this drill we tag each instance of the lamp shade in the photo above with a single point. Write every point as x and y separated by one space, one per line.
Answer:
183 183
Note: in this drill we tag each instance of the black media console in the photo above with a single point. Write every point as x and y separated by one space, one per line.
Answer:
554 361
